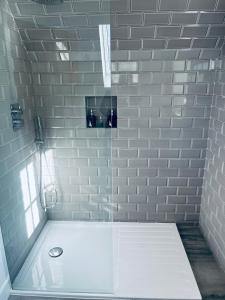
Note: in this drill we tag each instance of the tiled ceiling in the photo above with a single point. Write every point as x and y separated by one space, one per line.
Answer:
136 24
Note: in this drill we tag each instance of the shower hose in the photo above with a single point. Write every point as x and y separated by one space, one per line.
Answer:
42 191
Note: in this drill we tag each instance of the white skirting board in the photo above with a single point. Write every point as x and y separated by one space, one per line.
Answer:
4 275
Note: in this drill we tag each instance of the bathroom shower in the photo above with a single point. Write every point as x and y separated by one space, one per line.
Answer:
112 134
51 190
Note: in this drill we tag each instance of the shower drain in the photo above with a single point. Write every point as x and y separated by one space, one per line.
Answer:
55 252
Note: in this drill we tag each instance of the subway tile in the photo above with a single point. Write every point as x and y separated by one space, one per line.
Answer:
140 55
48 21
206 77
147 172
86 7
170 133
151 66
204 43
184 77
190 153
129 190
194 31
197 65
63 34
160 123
88 33
167 153
128 133
146 190
199 89
30 9
149 133
120 32
193 112
168 172
204 100
191 172
61 8
154 44
216 30
179 43
156 18
142 32
37 34
55 46
184 18
168 31
129 19
143 5
137 181
50 79
173 89
202 144
129 153
187 191
74 20
167 191
95 20
33 46
136 123
140 163
188 54
170 112
162 78
159 143
160 101
182 123
177 182
116 6
209 53
201 122
201 5
174 65
173 5
158 163
164 54
176 199
129 44
143 153
157 181
211 18
81 45
179 163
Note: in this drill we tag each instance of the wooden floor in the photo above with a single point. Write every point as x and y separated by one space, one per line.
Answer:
209 276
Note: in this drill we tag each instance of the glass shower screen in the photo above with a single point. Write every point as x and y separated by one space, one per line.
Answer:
71 72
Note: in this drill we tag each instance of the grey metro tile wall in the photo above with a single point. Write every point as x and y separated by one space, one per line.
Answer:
158 150
136 24
212 206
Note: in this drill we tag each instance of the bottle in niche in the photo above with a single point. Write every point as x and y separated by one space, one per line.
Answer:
112 119
100 123
91 119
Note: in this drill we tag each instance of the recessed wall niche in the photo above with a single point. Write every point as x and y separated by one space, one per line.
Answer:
101 111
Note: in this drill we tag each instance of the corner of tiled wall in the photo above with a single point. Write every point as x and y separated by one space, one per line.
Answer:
213 205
